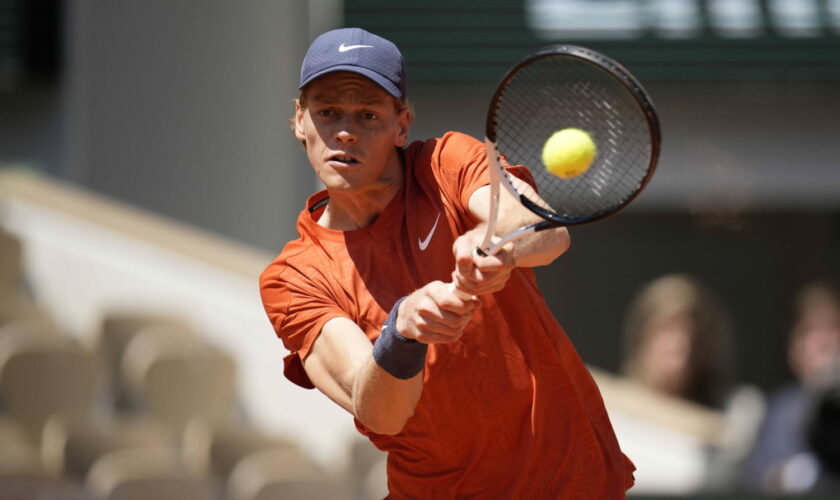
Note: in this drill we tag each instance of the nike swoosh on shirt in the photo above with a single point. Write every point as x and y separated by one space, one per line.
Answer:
345 48
425 243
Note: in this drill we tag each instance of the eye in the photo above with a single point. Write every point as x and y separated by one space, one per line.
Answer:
369 115
326 113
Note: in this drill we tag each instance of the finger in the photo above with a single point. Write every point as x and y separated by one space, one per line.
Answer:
445 312
434 338
441 329
461 288
440 320
442 315
459 300
472 278
466 287
464 262
480 278
489 283
503 259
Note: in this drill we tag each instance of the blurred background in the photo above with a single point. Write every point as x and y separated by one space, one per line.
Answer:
148 175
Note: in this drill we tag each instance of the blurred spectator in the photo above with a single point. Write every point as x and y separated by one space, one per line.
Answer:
782 460
678 340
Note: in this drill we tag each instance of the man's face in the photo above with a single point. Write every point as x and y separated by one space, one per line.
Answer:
351 128
666 353
815 344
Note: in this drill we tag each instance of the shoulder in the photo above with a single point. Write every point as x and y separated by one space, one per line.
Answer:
302 263
445 157
446 148
454 139
456 147
300 255
289 267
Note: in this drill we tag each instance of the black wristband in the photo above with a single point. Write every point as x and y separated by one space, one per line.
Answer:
401 357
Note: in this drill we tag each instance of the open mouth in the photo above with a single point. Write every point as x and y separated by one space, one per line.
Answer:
343 159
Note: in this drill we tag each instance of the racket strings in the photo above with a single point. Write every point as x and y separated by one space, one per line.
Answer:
557 92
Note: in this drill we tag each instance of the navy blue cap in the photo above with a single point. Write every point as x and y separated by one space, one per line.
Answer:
357 51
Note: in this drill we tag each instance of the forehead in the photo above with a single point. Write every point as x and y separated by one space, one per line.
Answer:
342 86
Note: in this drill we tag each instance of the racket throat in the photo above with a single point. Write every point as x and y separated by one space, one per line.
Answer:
515 235
542 226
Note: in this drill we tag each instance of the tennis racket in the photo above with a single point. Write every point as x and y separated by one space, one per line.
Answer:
566 86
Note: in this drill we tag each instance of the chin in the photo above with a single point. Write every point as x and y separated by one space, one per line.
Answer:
338 182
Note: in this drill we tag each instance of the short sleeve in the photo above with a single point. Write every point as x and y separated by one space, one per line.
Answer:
298 310
460 164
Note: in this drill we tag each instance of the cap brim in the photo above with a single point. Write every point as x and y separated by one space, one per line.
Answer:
377 78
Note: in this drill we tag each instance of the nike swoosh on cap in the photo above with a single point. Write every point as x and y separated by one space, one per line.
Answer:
425 243
345 48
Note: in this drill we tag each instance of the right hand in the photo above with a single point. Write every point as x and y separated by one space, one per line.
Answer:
435 314
480 274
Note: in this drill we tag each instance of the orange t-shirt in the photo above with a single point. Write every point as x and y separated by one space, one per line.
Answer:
507 411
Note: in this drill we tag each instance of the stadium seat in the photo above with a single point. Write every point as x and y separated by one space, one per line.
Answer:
16 308
28 327
117 330
365 460
12 433
284 474
42 376
23 477
316 489
37 486
147 473
11 268
214 448
178 378
19 459
71 448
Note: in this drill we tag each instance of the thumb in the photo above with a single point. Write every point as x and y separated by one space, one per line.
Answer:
503 258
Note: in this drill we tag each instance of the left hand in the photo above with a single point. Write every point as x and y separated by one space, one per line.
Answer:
476 274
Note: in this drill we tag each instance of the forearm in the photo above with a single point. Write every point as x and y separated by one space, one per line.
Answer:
382 402
393 371
341 365
534 249
541 248
431 314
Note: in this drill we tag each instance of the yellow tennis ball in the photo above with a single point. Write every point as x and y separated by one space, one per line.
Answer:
568 152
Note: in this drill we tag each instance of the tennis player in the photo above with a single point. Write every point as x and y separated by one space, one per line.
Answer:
481 397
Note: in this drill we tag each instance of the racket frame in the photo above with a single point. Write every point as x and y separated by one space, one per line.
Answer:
500 176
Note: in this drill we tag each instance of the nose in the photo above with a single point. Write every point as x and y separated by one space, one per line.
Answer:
345 136
344 132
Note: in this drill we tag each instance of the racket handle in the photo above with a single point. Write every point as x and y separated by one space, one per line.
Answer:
478 252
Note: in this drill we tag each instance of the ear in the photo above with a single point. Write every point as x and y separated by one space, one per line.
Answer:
404 121
299 115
